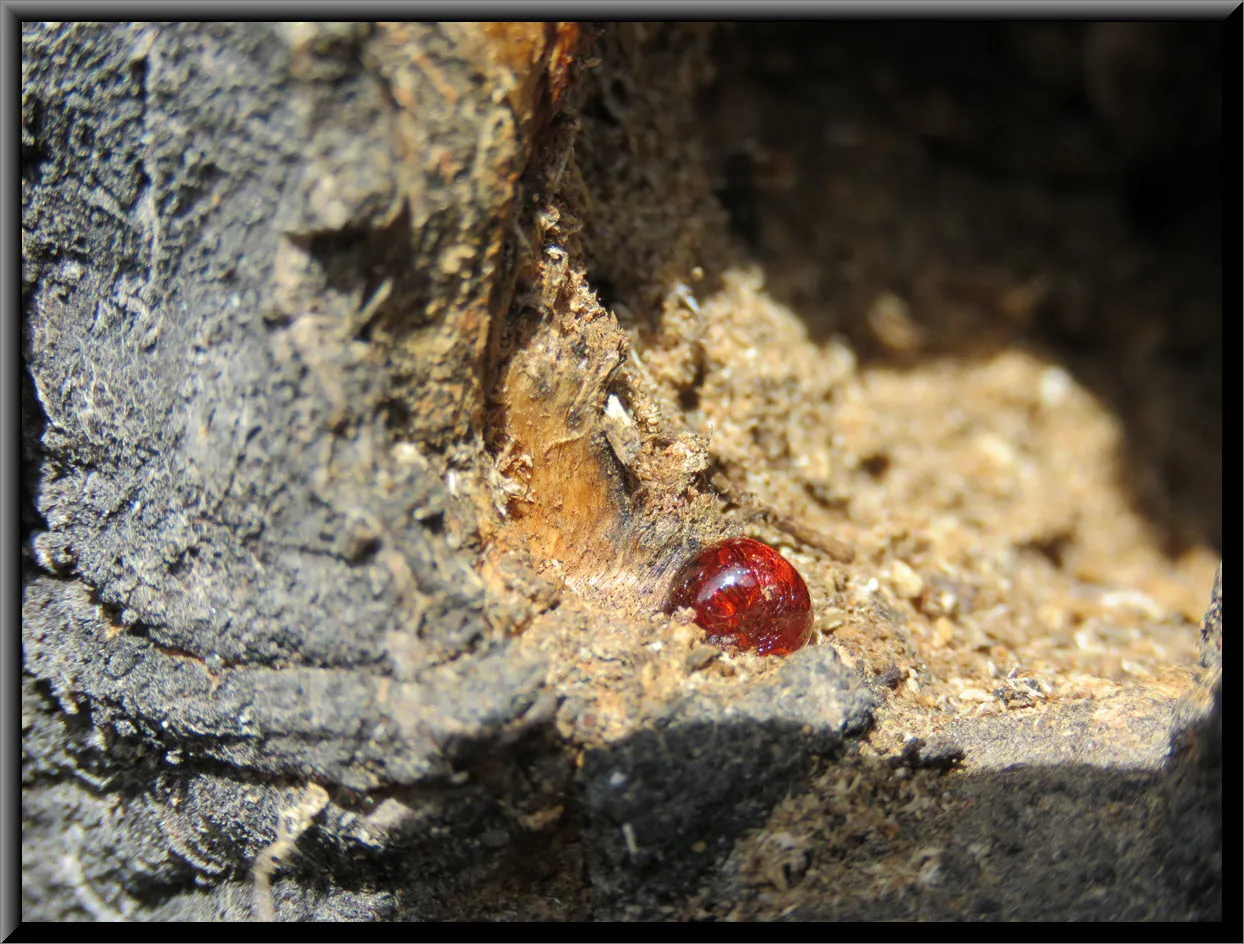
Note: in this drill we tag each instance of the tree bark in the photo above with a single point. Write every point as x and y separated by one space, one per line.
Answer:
313 376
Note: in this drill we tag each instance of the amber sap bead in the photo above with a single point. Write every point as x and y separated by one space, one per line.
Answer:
745 596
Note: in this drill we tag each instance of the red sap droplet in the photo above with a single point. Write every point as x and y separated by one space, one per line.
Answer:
745 596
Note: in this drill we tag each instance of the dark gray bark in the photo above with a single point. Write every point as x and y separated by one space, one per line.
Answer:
238 582
252 624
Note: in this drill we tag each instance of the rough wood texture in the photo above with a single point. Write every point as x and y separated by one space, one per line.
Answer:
378 377
258 301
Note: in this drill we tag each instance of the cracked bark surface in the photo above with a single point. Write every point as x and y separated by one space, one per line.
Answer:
300 305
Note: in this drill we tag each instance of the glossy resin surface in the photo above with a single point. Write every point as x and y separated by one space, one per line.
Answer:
745 596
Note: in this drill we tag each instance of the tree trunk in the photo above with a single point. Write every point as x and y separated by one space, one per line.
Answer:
328 437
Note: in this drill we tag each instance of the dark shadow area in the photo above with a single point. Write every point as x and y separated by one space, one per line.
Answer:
1041 829
663 806
1034 841
1053 187
528 830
